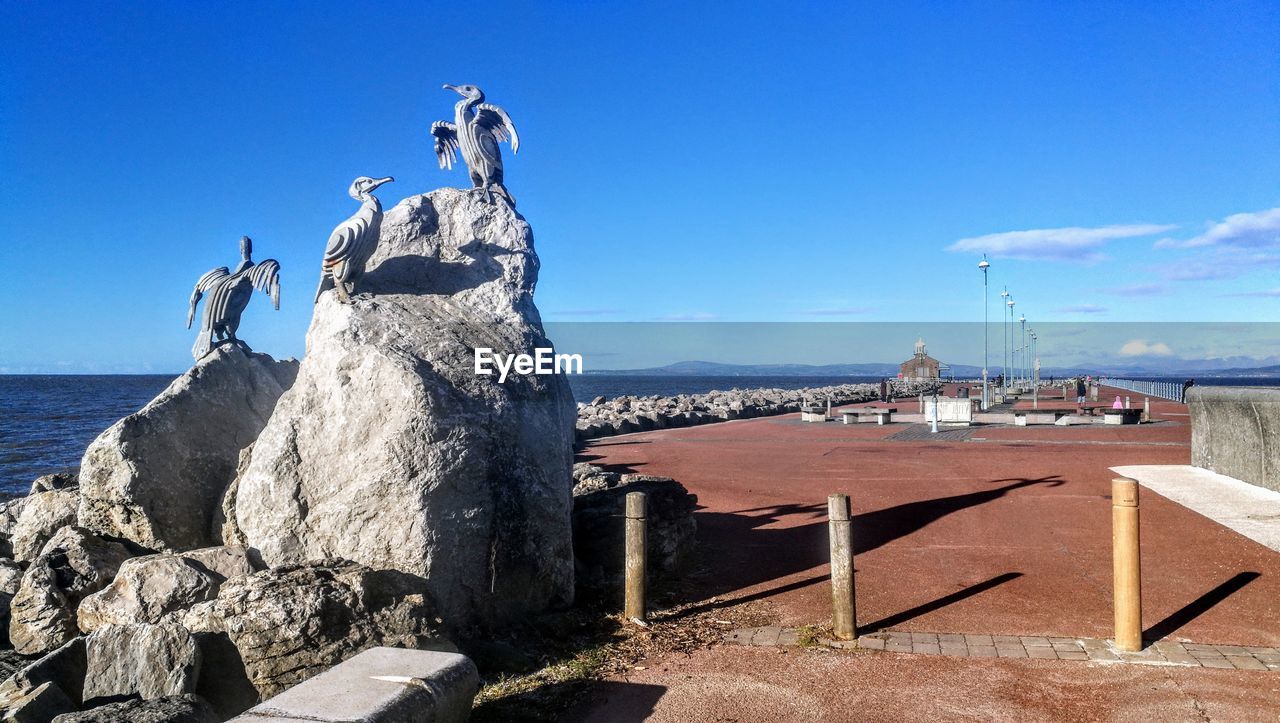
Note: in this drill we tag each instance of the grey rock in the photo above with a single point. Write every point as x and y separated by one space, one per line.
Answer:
223 680
157 476
39 705
149 589
11 661
224 561
9 512
391 451
224 520
64 667
146 589
10 580
150 661
55 481
170 709
74 564
291 623
42 515
598 534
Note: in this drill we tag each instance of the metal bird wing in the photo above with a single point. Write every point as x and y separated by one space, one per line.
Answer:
203 285
343 239
498 123
266 278
446 135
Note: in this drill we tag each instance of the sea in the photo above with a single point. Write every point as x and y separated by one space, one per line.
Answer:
47 421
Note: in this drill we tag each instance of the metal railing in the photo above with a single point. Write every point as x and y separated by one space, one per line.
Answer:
1163 390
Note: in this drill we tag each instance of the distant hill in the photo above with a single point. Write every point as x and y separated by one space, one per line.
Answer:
1174 368
717 369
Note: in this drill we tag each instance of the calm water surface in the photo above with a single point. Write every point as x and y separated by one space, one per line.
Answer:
47 421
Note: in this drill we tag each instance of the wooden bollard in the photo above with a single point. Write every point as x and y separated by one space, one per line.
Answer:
1126 564
843 611
637 555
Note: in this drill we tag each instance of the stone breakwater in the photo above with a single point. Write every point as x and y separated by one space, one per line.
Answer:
603 417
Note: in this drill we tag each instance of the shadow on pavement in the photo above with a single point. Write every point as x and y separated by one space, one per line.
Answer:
1199 606
942 602
743 549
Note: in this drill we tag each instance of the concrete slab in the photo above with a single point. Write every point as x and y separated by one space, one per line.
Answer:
1247 509
379 685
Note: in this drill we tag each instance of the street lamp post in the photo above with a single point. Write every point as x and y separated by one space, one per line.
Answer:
1023 320
1004 346
984 265
1007 375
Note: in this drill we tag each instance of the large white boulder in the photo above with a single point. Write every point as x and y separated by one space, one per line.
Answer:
157 476
392 451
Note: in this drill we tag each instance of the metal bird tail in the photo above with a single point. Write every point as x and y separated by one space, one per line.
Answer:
324 284
204 343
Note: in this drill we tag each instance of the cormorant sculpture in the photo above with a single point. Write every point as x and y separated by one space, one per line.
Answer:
353 240
477 129
229 293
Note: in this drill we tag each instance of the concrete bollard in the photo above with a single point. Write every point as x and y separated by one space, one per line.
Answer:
840 527
1128 403
1126 564
637 554
1146 409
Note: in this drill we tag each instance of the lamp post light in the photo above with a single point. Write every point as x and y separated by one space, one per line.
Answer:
984 265
1007 323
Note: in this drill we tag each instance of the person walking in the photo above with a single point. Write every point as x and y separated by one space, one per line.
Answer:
1080 390
884 390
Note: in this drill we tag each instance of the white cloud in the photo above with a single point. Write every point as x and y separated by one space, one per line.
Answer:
1059 244
1265 294
1082 309
1247 230
1140 347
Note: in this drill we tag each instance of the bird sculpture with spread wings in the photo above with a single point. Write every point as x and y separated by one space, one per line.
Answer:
229 294
353 240
477 129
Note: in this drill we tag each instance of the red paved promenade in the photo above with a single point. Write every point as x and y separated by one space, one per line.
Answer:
998 530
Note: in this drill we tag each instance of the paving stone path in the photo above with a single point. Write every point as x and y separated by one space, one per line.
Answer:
1161 652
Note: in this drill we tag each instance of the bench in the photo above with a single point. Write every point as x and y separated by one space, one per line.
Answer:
811 413
882 414
1122 416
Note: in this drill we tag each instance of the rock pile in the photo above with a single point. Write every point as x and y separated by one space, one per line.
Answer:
599 499
624 415
377 494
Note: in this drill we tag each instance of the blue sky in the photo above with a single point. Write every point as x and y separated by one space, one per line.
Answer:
735 162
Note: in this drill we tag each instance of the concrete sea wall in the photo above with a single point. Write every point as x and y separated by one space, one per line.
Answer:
1236 431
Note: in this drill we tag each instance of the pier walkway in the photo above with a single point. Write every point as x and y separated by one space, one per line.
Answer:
1000 531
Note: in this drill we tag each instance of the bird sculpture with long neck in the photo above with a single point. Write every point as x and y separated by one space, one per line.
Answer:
477 129
229 294
352 242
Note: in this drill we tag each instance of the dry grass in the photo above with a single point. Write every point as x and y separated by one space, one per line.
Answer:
583 646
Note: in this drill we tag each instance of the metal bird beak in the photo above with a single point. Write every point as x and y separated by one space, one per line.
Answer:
451 87
379 181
